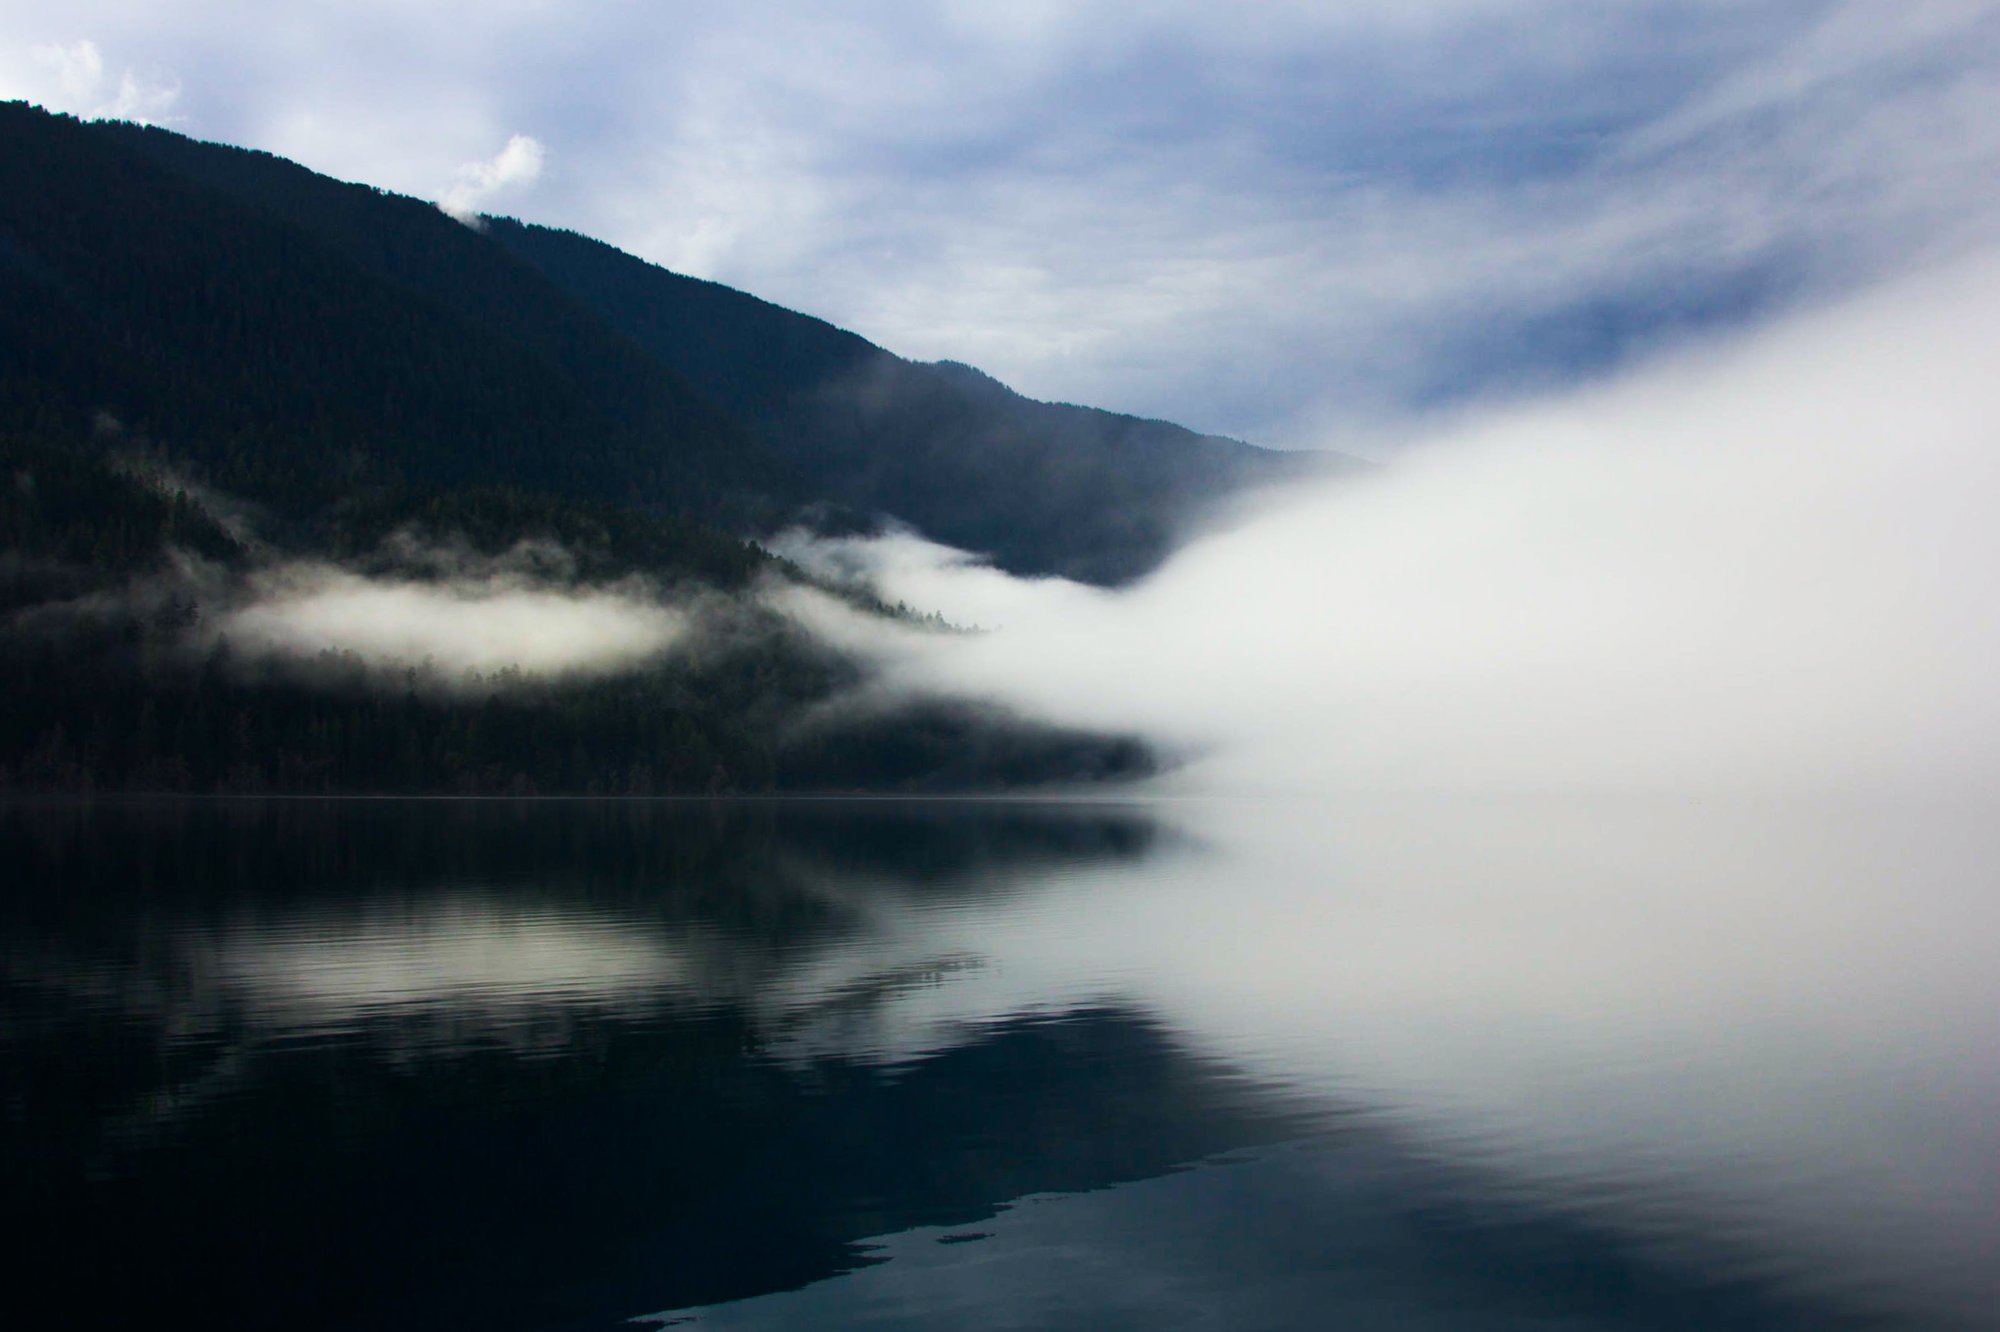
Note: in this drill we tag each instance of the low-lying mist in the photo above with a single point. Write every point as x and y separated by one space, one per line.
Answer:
480 623
1768 562
1764 563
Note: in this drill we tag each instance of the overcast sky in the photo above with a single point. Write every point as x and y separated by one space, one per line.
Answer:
1302 224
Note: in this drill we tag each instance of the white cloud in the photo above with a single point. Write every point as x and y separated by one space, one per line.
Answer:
1765 565
1290 226
79 69
146 99
966 591
519 162
79 85
1172 214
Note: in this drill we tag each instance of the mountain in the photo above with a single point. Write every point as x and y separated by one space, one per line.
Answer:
406 347
301 340
218 368
1039 487
119 588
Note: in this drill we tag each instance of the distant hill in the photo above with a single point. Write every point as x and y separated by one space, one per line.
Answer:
1041 487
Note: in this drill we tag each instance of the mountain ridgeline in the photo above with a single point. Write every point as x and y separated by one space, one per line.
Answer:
1039 487
300 340
212 354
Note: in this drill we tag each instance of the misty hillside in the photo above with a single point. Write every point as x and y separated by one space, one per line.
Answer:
1041 487
227 381
299 339
120 590
229 386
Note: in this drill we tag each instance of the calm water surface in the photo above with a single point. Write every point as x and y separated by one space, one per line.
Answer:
1397 1064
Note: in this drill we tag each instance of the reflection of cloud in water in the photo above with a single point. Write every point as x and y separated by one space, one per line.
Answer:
1768 1020
458 952
438 974
1687 1021
419 930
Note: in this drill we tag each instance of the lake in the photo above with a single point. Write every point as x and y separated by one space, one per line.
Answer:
1402 1063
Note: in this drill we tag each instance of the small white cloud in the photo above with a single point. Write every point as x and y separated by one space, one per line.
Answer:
519 163
142 98
80 85
79 68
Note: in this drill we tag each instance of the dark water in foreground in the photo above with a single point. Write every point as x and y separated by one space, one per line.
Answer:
1416 1065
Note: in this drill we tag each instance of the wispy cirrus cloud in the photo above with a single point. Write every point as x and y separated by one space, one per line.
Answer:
1300 226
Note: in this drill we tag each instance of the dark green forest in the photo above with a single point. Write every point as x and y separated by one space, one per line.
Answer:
214 361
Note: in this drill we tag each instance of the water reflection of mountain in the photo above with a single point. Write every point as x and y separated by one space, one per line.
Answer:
337 1060
650 1166
294 905
394 1065
670 1167
697 855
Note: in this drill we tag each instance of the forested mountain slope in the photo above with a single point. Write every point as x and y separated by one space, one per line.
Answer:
300 361
219 369
301 339
1041 487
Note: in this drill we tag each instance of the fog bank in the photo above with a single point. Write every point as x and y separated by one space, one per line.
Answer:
1765 562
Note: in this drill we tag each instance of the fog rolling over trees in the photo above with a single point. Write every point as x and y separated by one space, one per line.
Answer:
315 488
1764 563
247 413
